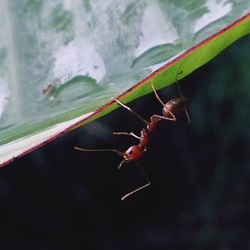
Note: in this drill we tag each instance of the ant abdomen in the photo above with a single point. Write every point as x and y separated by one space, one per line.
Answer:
175 106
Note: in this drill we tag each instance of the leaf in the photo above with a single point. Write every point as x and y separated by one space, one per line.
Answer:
61 59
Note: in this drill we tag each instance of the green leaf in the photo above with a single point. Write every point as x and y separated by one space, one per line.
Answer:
61 59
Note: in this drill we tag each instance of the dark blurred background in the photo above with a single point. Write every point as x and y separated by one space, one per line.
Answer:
60 198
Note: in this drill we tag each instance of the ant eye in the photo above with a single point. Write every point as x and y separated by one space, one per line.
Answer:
130 152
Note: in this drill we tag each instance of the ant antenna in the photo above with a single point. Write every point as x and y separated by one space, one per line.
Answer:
120 153
122 163
181 94
140 188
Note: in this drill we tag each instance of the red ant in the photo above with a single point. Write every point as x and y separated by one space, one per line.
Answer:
170 110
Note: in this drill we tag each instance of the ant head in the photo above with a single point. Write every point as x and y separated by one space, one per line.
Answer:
133 153
175 106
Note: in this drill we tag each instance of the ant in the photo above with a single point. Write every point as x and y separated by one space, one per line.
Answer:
170 111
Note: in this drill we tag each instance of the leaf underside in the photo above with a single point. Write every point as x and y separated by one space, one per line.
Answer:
83 88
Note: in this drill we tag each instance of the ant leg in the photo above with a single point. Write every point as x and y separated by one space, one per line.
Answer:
172 118
126 133
156 95
140 188
188 117
120 153
132 111
181 94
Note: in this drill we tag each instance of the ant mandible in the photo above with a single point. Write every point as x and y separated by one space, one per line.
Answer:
170 111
